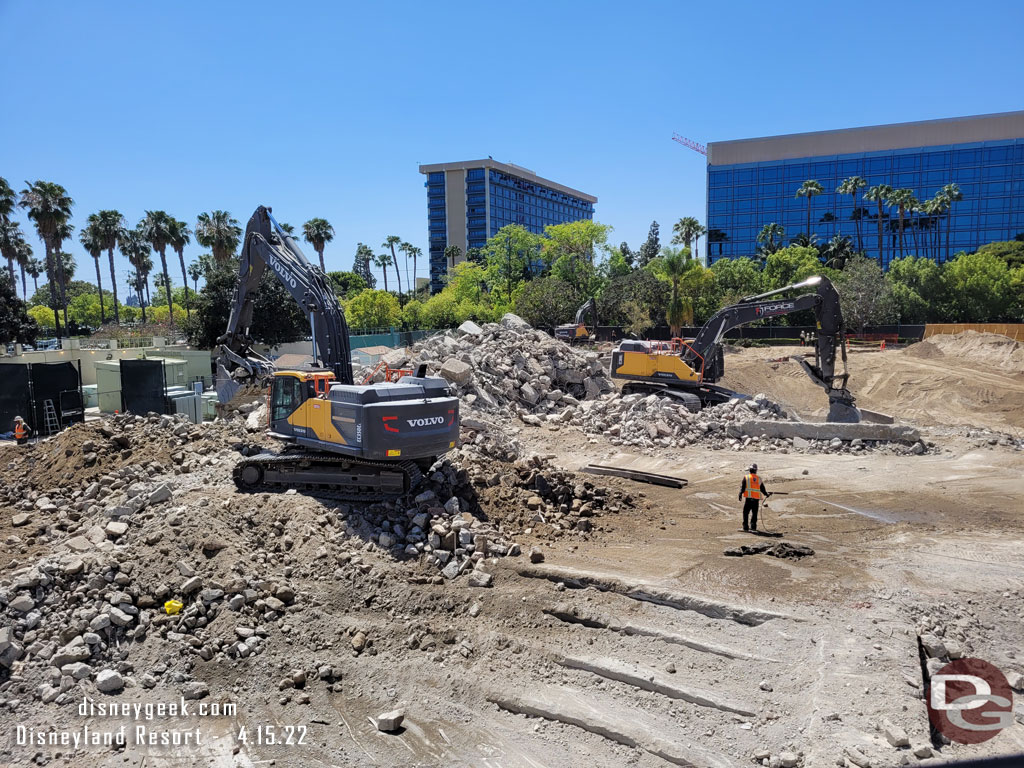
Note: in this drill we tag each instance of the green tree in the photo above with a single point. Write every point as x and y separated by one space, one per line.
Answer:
638 287
737 278
651 247
318 232
373 309
195 271
950 194
686 231
440 311
390 242
617 265
770 238
851 186
49 208
508 257
917 289
108 226
790 265
547 301
879 194
157 229
180 236
15 322
865 294
382 260
1010 251
978 288
412 315
414 252
466 282
61 259
361 266
347 284
91 241
809 189
218 231
837 251
572 250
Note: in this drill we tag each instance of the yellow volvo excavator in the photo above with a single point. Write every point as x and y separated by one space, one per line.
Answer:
687 371
350 441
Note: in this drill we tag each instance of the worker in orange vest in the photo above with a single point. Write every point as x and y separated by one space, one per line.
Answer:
21 430
752 490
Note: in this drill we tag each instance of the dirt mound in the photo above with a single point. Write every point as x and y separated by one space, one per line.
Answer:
990 349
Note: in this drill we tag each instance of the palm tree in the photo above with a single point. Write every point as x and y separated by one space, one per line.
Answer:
23 255
7 199
952 194
879 194
195 271
851 187
34 267
451 256
411 250
318 232
809 189
62 233
10 236
675 265
134 248
770 238
688 230
49 207
287 228
90 239
901 198
180 236
914 208
219 232
837 251
108 226
390 242
382 260
939 205
157 229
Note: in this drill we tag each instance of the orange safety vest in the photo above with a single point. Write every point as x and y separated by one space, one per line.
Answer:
20 430
753 489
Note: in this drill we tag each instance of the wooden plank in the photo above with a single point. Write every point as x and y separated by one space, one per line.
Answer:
636 475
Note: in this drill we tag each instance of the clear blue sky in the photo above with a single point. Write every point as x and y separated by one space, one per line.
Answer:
327 108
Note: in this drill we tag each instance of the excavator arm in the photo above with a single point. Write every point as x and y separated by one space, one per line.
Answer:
266 244
705 351
588 311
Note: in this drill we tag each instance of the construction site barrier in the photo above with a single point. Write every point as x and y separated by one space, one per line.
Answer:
1014 331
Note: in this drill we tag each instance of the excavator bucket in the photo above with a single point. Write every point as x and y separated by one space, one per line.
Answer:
841 411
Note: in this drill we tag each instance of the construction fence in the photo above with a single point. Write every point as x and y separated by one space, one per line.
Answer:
1014 331
48 396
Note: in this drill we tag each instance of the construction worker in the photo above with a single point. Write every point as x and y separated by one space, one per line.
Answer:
752 490
21 430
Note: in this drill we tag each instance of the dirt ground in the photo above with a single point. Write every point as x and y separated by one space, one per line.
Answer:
639 643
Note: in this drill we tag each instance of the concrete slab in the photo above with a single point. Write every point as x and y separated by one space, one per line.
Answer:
824 431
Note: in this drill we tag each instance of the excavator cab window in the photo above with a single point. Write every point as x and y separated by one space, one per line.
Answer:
287 394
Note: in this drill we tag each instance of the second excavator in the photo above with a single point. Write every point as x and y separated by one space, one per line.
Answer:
687 371
353 442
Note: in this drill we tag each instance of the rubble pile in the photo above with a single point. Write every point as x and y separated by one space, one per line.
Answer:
469 508
509 364
655 421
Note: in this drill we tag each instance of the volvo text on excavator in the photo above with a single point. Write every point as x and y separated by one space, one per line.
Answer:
352 442
687 371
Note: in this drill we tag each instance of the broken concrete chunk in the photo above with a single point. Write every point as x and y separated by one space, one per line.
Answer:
389 721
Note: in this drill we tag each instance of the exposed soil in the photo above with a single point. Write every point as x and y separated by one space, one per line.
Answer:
631 640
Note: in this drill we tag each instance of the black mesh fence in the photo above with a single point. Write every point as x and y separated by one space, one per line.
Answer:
15 399
142 386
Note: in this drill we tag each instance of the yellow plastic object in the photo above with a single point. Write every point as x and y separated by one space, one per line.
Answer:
173 606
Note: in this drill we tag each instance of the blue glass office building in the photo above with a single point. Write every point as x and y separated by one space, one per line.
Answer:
753 182
468 202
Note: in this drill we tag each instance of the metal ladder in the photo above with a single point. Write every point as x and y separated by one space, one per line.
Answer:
50 417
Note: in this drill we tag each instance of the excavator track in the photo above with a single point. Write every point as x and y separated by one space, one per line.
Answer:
328 476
